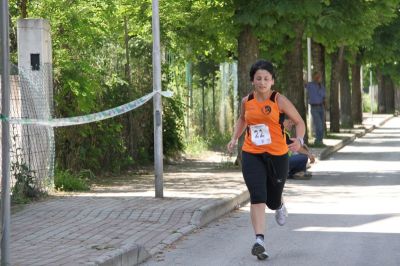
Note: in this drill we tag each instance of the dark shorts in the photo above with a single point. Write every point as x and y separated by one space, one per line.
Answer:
265 177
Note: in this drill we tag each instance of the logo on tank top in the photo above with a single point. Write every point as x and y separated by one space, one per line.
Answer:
266 109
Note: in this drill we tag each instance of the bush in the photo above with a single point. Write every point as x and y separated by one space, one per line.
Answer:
366 104
218 141
215 141
173 127
67 181
24 189
196 145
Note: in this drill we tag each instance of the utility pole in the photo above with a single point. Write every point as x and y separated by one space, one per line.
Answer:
5 136
157 104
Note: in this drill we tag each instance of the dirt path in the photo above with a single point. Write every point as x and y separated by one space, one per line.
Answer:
175 173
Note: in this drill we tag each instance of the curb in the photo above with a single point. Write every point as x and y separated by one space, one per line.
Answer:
381 123
330 150
203 216
134 254
208 213
130 254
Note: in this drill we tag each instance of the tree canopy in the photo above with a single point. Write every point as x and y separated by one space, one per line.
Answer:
102 58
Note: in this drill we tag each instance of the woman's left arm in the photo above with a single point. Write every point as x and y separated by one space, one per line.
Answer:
288 108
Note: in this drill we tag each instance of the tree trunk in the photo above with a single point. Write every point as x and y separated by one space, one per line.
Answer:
203 108
293 74
131 136
127 64
248 52
214 120
356 96
389 93
13 38
189 101
337 62
23 4
381 92
318 59
397 98
345 97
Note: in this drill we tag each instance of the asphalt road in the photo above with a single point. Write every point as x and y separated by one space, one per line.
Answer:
347 214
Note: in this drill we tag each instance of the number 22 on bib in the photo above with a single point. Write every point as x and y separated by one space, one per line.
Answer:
260 134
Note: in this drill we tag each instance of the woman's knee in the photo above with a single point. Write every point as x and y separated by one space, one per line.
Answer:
274 205
256 198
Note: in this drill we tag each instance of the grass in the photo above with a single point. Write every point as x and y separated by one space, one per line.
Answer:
366 104
195 145
65 180
316 145
215 141
334 136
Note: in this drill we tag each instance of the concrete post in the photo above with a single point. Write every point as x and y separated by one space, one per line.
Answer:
36 90
35 53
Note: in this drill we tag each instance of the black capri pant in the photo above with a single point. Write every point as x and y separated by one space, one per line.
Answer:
265 177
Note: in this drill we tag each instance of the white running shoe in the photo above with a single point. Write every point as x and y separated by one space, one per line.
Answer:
281 214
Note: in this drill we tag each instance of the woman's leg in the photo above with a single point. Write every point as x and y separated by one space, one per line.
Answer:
277 173
254 173
257 213
255 177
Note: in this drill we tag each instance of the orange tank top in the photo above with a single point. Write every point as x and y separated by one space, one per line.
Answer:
265 132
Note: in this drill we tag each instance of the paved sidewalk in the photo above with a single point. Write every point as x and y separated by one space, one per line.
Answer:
125 225
348 135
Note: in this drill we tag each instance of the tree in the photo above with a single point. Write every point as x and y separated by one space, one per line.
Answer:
383 53
279 26
350 24
356 96
102 58
346 119
336 68
318 59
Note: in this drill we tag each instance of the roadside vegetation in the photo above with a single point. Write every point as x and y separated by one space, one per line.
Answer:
102 58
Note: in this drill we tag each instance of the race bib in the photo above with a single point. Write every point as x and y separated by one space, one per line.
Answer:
260 134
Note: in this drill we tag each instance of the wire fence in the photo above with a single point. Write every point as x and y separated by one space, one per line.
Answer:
32 147
32 151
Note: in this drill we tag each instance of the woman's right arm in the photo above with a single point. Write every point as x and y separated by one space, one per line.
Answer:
239 127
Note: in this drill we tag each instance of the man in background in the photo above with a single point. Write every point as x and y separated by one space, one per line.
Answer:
316 98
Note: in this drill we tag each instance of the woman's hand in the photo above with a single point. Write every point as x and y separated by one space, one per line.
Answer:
311 157
295 145
231 145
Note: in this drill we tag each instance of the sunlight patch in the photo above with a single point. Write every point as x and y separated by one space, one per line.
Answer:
386 226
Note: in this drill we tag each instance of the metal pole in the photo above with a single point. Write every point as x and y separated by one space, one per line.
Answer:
5 137
157 104
308 59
